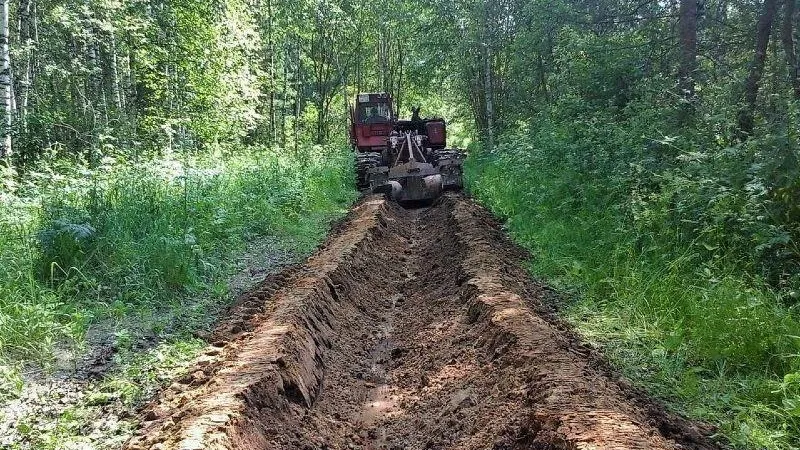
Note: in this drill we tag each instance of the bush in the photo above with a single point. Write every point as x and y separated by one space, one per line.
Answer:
64 245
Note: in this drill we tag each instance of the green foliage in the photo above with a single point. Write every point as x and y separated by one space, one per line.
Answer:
676 238
79 244
658 266
134 77
64 244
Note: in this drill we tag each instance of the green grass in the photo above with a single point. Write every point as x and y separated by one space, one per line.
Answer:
151 242
691 327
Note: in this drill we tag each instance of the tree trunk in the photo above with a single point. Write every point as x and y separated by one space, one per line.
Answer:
489 93
487 42
399 92
5 80
787 37
285 94
134 99
318 58
687 24
763 29
358 65
298 82
271 44
116 87
93 88
24 81
542 77
385 60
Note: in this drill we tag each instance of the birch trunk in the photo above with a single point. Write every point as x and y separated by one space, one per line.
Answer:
489 93
285 95
24 83
271 44
298 82
398 93
5 80
115 81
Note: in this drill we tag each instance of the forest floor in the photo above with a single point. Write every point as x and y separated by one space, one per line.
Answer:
90 398
412 329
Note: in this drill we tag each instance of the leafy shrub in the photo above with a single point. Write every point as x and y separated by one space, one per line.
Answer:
64 246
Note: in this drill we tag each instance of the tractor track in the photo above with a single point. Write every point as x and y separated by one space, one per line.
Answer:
408 329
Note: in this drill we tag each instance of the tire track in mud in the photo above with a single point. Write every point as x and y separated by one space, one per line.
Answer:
414 329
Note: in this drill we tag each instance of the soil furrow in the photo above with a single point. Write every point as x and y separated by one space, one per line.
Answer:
412 329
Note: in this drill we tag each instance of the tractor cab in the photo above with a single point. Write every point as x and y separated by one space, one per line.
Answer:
372 120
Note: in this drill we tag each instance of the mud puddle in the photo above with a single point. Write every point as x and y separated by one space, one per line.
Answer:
381 401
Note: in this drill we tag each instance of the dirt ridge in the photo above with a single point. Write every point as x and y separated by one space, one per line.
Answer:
255 365
564 377
407 329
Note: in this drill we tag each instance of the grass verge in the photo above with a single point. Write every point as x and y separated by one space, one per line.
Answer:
695 330
147 243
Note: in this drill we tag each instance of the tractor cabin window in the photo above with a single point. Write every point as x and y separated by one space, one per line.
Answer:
374 113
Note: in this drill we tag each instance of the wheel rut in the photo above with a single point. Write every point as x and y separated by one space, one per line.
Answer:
408 329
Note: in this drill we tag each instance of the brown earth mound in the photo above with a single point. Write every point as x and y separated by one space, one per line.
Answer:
412 329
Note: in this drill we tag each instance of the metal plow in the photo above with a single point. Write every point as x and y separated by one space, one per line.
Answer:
413 177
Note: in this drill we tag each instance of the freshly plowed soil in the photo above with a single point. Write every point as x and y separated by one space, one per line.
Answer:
408 329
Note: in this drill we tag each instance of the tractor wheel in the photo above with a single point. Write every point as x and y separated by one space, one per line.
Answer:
364 162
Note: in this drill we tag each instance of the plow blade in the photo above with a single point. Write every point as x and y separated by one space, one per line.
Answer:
411 182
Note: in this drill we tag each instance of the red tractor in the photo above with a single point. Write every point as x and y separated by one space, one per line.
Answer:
405 159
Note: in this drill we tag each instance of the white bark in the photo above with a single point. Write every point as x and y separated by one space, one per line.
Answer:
25 80
5 80
115 83
489 98
298 82
271 45
285 95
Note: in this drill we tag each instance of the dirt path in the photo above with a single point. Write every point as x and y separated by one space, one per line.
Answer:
409 329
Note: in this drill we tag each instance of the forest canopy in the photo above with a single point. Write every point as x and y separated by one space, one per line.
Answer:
645 151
